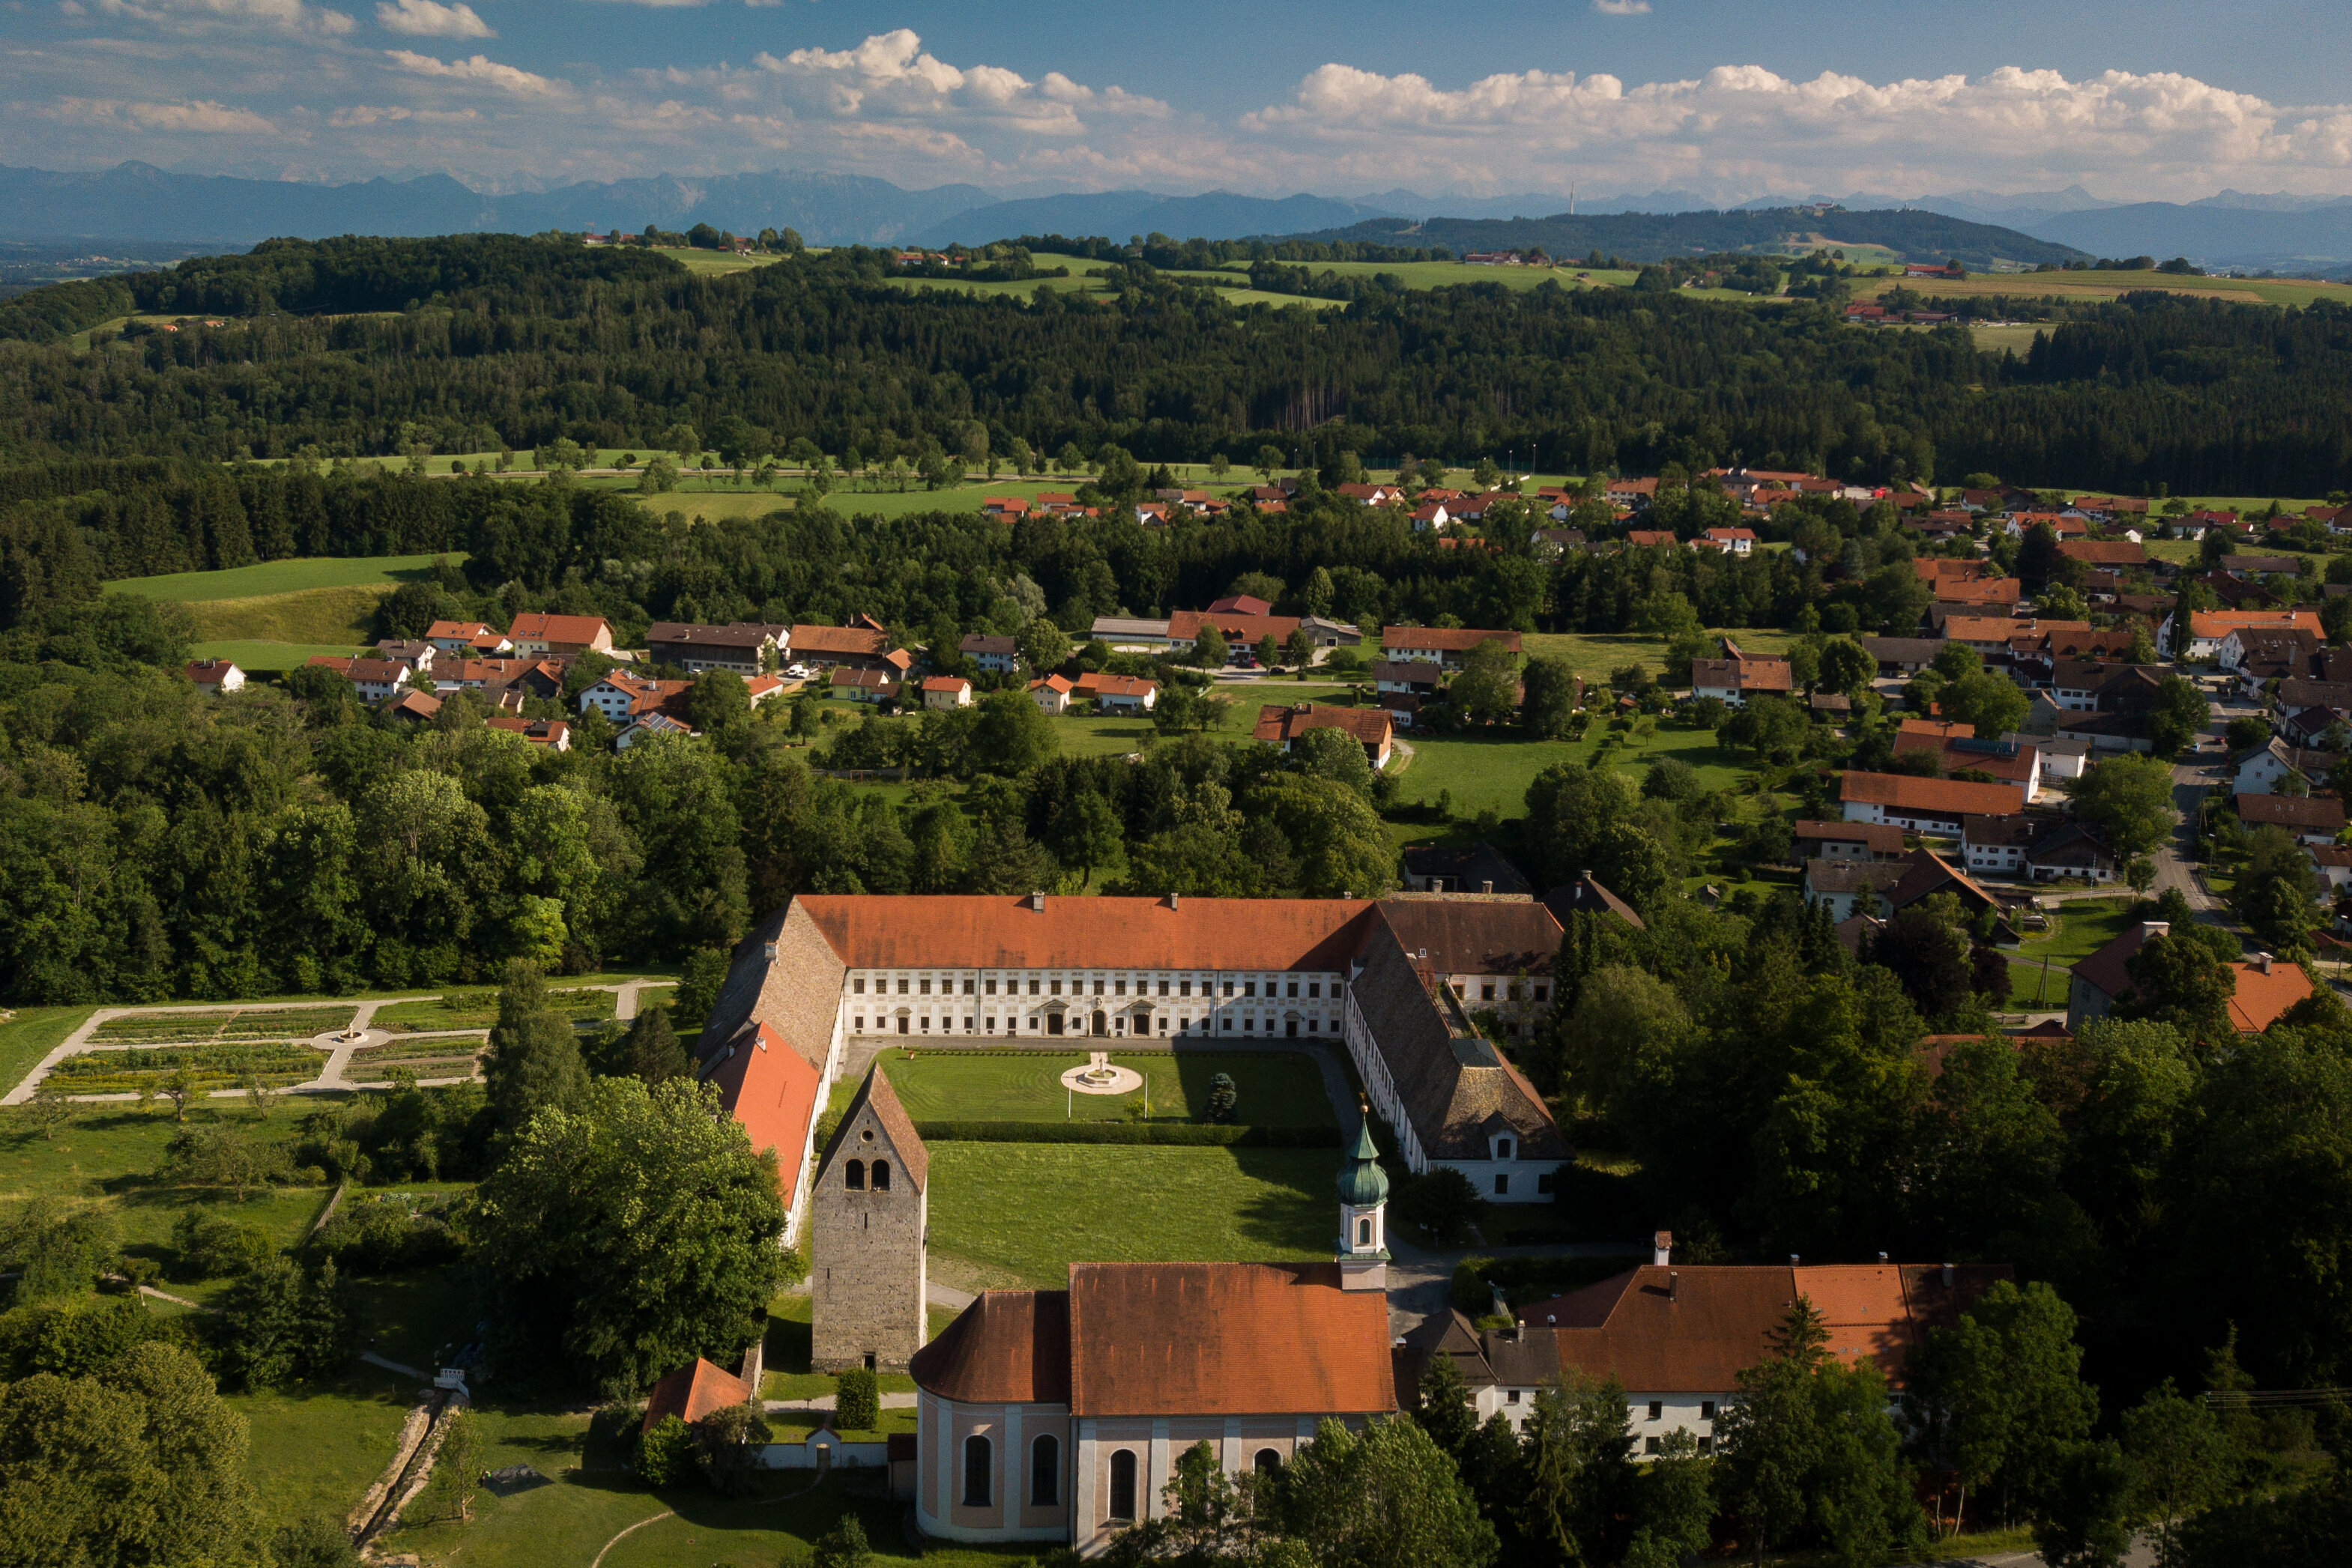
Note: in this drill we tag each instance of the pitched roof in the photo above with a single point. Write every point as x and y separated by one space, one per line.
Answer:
1472 864
862 642
693 1392
1240 604
1951 797
1097 685
945 684
981 642
2103 552
2314 814
741 634
1692 1329
558 628
1463 937
989 930
1282 722
1226 1339
210 671
1882 838
772 1093
914 1156
2219 623
1454 1085
1184 626
1586 893
1008 1347
1842 876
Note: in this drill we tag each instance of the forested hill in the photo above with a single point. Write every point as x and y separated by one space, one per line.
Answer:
359 347
1915 235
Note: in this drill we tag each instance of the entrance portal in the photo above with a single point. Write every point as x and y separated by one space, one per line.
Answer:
1102 1024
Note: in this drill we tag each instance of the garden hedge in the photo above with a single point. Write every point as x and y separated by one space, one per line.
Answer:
1190 1135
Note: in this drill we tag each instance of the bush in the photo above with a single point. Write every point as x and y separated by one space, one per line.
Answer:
666 1454
1194 1134
857 1401
1441 1201
313 1542
77 1339
208 1245
373 1234
842 1546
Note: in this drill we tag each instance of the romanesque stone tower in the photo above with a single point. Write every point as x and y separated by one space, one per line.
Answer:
869 1217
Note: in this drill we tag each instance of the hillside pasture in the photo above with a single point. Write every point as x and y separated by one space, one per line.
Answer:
273 577
2112 285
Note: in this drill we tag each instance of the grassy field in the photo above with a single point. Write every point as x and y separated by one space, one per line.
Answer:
1281 1089
381 573
1032 1210
30 1034
2015 338
714 263
1594 655
2078 928
252 654
2112 285
316 1449
274 615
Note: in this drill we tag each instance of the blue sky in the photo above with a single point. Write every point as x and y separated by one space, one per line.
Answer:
1727 98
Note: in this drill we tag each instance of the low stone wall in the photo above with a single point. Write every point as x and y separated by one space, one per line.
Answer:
806 1456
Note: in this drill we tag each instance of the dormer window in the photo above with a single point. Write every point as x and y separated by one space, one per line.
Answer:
1502 1148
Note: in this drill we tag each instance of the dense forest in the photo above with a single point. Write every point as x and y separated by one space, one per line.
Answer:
352 347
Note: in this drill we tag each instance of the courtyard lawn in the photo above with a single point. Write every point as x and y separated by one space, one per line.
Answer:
317 1448
1032 1210
1279 1089
2080 927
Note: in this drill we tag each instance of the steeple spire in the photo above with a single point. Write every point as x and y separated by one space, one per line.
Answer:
1362 1247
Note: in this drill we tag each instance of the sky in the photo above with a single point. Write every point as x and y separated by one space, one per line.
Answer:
2163 100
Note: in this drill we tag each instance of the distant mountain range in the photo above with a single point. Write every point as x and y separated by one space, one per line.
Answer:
139 203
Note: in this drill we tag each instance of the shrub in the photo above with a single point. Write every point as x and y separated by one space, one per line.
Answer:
727 1444
1441 1201
208 1245
373 1234
856 1402
842 1546
1223 1098
77 1339
666 1454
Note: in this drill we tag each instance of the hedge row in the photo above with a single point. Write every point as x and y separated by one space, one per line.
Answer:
1189 1134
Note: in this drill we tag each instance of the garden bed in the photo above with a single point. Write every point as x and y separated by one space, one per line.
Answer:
480 1009
217 1067
249 1024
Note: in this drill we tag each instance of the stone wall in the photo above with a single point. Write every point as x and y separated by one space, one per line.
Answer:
867 1271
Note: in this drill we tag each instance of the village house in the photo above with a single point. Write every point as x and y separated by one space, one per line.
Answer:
1116 694
854 647
1676 1336
215 675
1477 868
1645 539
743 648
2264 987
538 636
551 733
1727 541
413 652
1937 807
1859 841
2207 628
990 654
2265 769
1279 724
946 693
1736 679
1052 695
2333 865
1408 677
2070 850
502 682
375 679
847 684
1996 846
1440 644
2315 820
1901 656
622 697
468 639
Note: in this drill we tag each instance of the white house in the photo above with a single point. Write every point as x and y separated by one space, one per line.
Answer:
1051 694
946 692
216 675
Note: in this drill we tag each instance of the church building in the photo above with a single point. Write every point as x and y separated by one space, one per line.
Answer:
1058 1416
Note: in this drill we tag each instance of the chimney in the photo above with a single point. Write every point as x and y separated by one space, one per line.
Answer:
1882 1257
1550 1321
1792 1260
769 952
1486 886
2148 928
2262 962
1172 901
1037 901
1947 1276
1673 1283
1661 1247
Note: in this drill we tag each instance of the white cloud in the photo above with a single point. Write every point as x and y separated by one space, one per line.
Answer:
184 15
1622 8
202 116
479 69
429 20
890 78
1745 128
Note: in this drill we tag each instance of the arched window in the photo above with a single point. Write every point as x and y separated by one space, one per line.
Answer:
854 1177
976 1455
1363 1238
881 1175
1122 1483
1045 1472
1266 1462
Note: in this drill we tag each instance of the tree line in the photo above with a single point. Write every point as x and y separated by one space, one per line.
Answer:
535 341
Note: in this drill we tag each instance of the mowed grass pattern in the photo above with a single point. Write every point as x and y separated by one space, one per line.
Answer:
1033 1209
1282 1089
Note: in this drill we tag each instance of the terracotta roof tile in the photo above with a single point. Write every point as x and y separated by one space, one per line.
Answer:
693 1392
1475 939
1009 1347
1226 1339
836 639
983 932
1445 639
558 628
2312 814
914 1156
1951 795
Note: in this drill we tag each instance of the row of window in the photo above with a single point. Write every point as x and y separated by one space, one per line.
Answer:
1046 1474
1540 989
1055 1023
1053 987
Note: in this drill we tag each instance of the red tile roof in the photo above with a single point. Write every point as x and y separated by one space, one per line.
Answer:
1693 1329
1951 797
1281 723
1009 1347
772 1092
1184 626
985 931
2222 623
855 640
2255 1004
2314 815
1094 684
693 1392
1226 1339
945 684
535 627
